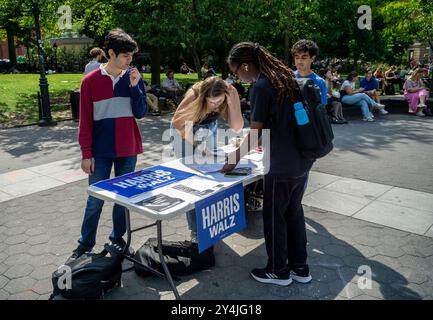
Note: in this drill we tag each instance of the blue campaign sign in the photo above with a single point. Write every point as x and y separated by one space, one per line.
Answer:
143 180
219 216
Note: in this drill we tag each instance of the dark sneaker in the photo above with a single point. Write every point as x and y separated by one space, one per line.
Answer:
301 274
78 252
119 244
281 278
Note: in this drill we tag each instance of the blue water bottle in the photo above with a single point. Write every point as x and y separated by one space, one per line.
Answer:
300 114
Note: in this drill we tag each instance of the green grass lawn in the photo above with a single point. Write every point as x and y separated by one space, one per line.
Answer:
18 95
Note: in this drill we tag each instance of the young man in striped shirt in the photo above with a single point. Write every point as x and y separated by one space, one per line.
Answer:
111 98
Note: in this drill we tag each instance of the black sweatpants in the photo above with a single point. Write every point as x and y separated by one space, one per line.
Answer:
284 222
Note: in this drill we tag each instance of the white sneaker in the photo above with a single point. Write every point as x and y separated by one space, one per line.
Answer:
369 119
420 114
422 105
380 106
383 111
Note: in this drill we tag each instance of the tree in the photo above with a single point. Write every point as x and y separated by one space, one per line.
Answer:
10 14
409 21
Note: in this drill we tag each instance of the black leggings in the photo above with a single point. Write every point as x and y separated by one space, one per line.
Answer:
284 222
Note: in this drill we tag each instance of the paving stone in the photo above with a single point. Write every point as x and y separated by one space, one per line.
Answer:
411 261
390 262
17 248
16 239
340 250
421 251
323 274
315 290
36 231
284 293
19 285
39 249
366 251
27 295
15 231
343 289
3 295
43 287
3 256
18 259
44 259
3 268
19 271
43 272
370 241
3 281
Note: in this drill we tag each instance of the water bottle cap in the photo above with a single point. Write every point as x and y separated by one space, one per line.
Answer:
298 106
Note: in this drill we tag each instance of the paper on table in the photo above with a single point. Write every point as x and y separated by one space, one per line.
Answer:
254 156
199 186
201 183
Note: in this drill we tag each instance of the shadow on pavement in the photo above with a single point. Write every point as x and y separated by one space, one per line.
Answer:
333 263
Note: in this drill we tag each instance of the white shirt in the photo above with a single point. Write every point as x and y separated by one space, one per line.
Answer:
346 83
114 79
92 65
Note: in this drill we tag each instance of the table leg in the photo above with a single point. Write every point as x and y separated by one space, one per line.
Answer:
128 231
161 257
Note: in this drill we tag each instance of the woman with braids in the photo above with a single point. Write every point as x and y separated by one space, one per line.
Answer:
273 94
203 105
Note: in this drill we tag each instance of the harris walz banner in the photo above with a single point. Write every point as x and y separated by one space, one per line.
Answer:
132 184
219 216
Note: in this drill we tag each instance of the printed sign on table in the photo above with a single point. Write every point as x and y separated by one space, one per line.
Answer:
145 180
220 216
160 202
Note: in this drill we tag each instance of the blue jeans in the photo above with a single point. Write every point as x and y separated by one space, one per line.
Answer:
362 100
94 206
183 150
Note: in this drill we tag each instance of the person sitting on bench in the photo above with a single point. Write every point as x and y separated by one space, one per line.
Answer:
415 93
350 95
378 74
370 85
171 88
391 78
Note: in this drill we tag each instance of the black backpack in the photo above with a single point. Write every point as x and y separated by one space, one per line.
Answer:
181 257
92 275
314 139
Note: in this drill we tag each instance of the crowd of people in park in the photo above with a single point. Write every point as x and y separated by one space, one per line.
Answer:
363 92
114 95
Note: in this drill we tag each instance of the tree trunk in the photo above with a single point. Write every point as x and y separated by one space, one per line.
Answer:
11 47
287 56
193 44
223 58
195 55
155 62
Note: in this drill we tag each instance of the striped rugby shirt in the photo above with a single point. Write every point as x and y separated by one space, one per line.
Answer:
108 108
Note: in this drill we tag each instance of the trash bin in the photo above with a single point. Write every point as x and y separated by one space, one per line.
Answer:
75 104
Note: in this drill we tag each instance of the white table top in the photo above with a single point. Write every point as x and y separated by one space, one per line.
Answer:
212 183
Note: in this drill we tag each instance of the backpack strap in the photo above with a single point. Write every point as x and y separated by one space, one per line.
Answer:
300 96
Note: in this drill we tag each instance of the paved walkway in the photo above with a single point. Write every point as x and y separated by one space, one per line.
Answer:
366 209
399 208
39 231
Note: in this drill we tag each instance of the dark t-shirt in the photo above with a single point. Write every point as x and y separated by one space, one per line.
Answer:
211 117
284 158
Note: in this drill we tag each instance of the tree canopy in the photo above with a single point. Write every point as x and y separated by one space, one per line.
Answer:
191 30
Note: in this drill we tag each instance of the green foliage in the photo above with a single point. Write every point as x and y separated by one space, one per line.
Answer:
195 29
